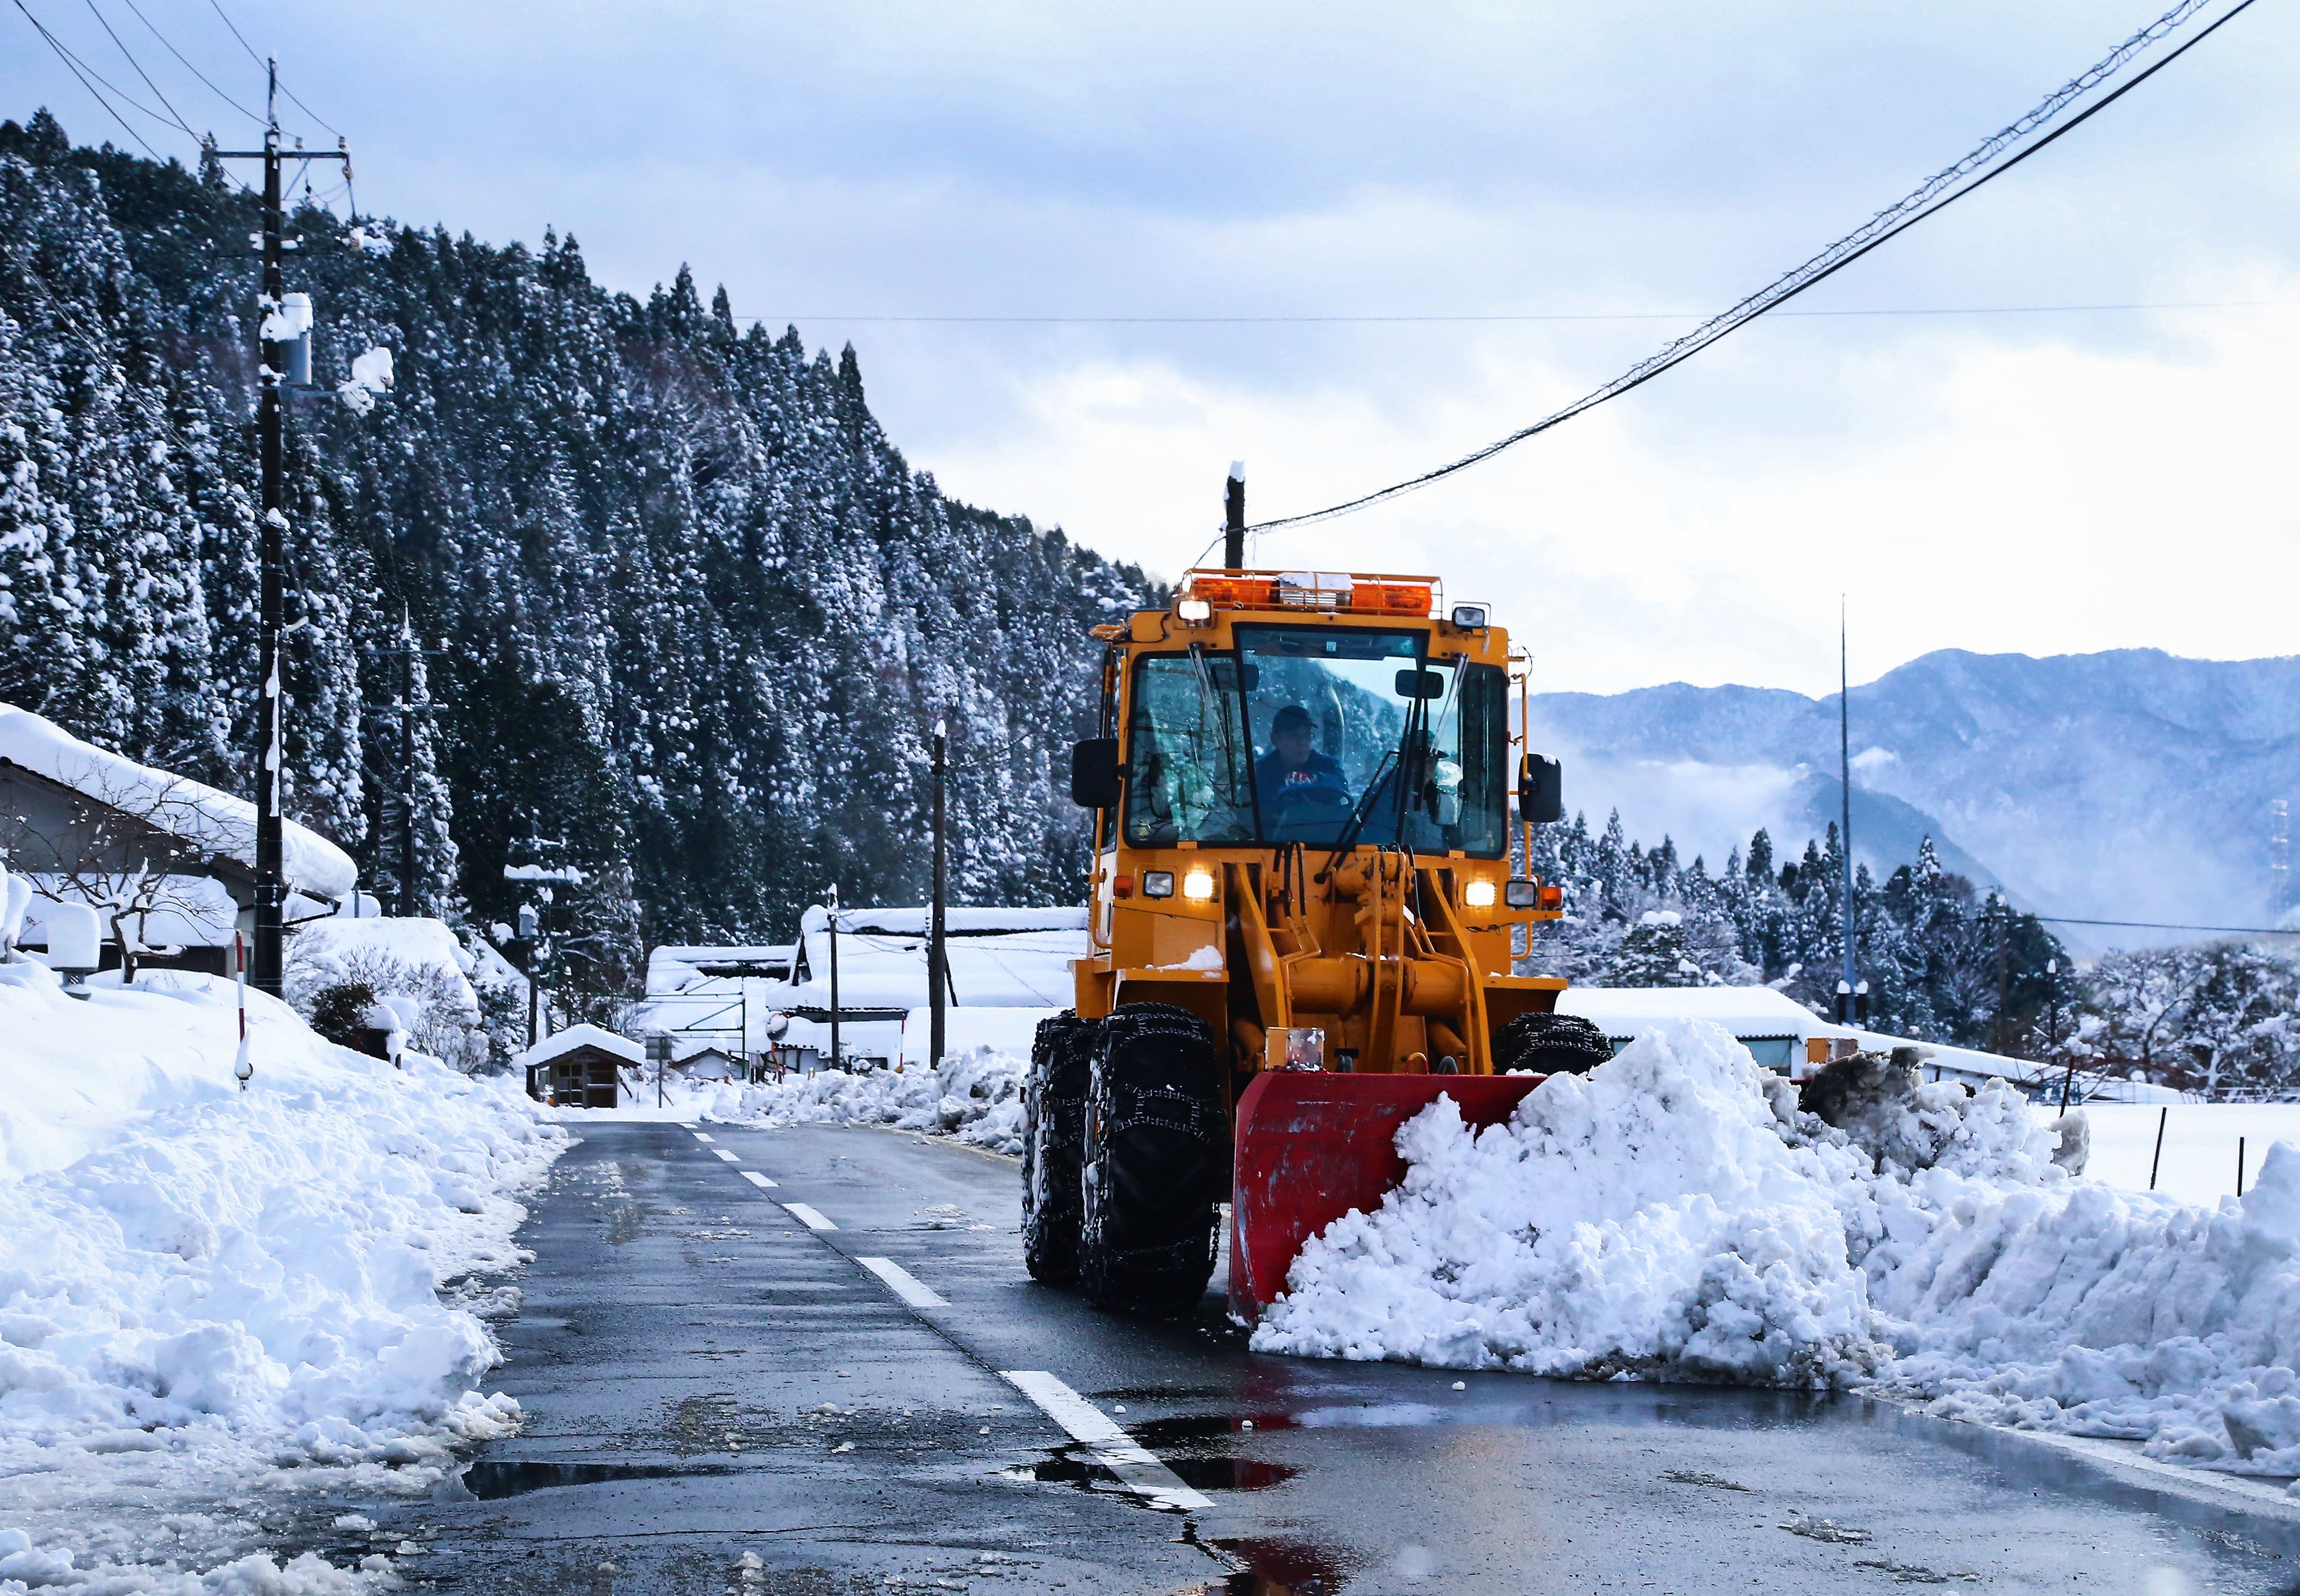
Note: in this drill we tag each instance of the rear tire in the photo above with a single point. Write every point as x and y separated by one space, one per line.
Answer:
1054 1137
1551 1044
1157 1161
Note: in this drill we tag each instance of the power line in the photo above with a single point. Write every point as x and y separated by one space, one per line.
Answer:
1944 189
259 61
188 66
73 65
1479 318
2061 920
106 23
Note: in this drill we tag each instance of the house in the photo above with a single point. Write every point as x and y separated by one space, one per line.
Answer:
580 1068
999 958
167 862
1781 1034
708 1061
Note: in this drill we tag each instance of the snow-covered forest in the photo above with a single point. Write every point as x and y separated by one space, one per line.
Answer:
1944 961
682 615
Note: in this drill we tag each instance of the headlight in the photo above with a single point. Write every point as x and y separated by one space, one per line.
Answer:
1157 883
1194 610
1469 617
1524 894
1479 895
1197 886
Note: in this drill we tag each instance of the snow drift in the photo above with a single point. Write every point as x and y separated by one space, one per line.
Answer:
1673 1214
975 1097
200 1284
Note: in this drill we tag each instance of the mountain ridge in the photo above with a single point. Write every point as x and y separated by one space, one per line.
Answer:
2128 784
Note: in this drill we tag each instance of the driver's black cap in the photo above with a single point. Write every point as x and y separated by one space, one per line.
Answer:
1293 714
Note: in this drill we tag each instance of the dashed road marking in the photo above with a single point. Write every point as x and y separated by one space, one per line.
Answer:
756 1179
810 1218
906 1286
729 1157
1137 1469
701 1137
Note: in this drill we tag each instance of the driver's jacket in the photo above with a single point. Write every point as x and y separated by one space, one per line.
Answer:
1273 777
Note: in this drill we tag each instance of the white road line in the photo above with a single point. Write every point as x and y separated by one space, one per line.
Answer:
756 1179
729 1157
701 1137
907 1285
808 1217
1113 1447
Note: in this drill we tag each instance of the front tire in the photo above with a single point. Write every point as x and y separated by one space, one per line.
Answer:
1551 1044
1157 1161
1054 1137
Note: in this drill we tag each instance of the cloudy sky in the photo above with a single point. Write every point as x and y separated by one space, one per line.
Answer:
2022 474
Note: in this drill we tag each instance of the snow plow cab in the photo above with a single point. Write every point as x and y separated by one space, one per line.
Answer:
1302 924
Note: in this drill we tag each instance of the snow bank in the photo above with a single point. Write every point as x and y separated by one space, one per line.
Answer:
200 1285
1672 1216
975 1097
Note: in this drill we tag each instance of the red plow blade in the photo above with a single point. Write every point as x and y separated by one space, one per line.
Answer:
1312 1145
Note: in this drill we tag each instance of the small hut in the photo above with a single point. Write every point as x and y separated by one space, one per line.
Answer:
580 1068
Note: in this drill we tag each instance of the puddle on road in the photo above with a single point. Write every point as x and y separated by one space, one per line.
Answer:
1278 1568
492 1479
1200 1474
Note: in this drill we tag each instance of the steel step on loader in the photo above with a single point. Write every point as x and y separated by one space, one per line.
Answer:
1302 926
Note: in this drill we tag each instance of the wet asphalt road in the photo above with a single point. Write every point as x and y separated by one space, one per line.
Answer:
719 1399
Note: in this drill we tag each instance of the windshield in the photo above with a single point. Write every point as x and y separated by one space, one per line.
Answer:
1312 741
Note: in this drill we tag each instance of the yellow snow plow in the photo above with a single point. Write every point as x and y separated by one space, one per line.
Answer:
1302 921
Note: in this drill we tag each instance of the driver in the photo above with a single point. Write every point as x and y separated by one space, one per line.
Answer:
1292 766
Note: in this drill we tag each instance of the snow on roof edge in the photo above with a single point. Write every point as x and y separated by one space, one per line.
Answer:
559 1042
184 807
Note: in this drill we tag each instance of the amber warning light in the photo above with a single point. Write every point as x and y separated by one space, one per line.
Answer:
1348 593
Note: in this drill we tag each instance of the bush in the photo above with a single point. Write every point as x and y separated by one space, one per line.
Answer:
339 1013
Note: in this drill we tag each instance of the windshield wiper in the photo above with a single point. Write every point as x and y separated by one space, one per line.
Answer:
1359 815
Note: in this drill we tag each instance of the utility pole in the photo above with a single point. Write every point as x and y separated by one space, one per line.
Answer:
270 871
936 954
1233 519
830 915
407 764
2003 983
1846 984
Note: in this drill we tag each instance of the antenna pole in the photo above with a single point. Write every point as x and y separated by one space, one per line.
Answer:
1233 519
1845 784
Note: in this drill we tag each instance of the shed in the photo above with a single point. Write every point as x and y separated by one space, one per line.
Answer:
579 1067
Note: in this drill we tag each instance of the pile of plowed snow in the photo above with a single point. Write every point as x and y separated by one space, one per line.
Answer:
975 1097
202 1284
1671 1215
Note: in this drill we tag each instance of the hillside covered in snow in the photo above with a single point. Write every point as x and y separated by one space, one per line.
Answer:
678 604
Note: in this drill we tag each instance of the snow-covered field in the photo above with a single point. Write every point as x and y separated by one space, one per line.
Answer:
975 1097
214 1300
1672 1216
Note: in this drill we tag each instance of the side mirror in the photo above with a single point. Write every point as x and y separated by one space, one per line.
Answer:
1094 778
1540 790
1419 684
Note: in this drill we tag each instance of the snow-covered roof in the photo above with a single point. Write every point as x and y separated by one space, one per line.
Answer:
672 968
994 964
200 815
974 921
1746 1011
560 1042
